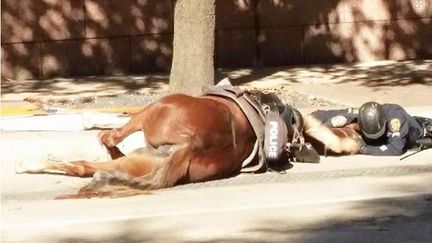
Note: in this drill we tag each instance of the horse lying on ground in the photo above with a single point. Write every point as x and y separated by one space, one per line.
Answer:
188 139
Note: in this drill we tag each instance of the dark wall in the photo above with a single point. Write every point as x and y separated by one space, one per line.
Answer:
45 38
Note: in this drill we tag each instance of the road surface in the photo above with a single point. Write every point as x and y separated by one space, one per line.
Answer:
346 199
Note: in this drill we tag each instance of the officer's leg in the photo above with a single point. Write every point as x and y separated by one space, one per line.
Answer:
426 124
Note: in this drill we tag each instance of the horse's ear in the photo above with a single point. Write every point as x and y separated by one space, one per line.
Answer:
293 120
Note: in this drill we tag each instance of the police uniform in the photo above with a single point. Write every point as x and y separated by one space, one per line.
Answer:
336 118
402 129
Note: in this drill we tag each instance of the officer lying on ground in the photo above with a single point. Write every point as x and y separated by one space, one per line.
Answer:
386 129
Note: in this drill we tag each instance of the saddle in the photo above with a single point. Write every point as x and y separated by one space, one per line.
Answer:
273 123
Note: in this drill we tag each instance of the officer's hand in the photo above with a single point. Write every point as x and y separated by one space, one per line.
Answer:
362 144
338 121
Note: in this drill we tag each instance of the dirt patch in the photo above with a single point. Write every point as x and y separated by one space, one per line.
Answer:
135 99
299 100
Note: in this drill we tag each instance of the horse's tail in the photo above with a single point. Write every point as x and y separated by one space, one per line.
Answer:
166 168
337 140
105 184
107 191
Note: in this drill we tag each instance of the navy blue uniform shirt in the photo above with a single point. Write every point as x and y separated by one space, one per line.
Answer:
402 129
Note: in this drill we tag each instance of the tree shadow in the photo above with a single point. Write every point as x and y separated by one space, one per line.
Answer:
375 75
108 37
90 85
47 39
400 219
298 32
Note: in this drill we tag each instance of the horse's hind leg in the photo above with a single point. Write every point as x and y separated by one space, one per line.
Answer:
114 152
111 138
145 169
79 168
108 138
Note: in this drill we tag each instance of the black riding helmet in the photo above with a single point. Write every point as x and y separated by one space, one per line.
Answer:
371 120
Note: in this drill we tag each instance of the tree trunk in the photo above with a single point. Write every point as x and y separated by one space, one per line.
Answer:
193 53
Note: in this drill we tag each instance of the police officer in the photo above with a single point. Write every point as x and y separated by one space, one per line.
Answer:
386 129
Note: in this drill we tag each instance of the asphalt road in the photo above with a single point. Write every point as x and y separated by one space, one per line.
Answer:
346 199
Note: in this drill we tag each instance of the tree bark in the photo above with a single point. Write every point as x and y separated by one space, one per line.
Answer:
192 68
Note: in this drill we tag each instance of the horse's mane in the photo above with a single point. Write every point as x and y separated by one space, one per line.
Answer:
337 140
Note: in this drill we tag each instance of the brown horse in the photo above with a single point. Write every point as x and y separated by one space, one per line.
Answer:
188 139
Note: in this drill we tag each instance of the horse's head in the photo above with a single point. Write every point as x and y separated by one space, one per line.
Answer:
270 102
283 131
294 122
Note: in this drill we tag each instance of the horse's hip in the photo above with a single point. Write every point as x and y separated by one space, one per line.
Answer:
203 122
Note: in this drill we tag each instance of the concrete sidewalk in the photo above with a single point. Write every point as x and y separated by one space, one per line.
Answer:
408 83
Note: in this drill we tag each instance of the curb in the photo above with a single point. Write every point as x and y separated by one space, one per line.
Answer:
29 110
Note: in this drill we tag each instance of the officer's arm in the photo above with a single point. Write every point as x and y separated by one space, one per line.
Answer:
395 143
323 115
394 147
341 120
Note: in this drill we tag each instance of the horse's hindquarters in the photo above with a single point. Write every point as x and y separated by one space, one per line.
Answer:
214 129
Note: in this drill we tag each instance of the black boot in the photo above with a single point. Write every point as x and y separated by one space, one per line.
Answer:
426 124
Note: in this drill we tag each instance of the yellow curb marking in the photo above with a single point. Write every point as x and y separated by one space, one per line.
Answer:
34 110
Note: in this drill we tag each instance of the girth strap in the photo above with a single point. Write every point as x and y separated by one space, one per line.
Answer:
255 117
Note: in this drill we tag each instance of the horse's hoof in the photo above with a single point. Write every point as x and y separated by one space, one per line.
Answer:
19 168
28 167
